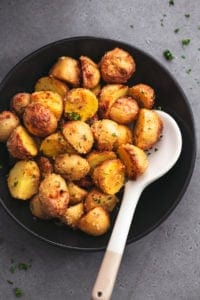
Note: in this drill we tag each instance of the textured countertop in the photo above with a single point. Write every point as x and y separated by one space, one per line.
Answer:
164 265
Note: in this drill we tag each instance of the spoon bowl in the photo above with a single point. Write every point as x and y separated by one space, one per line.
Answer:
162 158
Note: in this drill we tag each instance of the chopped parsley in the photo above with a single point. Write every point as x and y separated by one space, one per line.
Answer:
74 116
188 71
187 15
159 107
18 292
176 30
9 281
168 55
183 56
12 269
131 26
23 266
185 42
171 2
114 134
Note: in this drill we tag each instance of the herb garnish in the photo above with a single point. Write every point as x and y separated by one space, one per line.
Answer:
168 55
187 15
114 134
24 266
188 71
171 2
176 30
18 292
185 42
74 116
9 281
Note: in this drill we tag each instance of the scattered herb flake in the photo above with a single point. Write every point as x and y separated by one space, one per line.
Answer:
176 30
183 56
18 292
74 116
188 71
156 149
171 2
12 269
114 134
23 266
131 26
159 107
187 15
9 281
168 55
185 42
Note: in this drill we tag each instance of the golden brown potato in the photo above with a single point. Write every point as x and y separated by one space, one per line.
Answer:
71 166
53 195
67 69
95 158
96 222
72 215
53 101
90 72
21 145
81 104
109 176
19 102
105 134
79 136
53 145
134 159
143 94
45 166
23 179
96 90
148 129
117 66
8 122
109 94
52 84
124 136
39 120
76 193
97 198
36 208
124 110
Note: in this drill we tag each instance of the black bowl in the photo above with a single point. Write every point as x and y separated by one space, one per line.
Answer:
161 197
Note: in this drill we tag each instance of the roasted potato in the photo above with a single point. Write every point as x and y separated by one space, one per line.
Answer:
53 101
117 66
52 84
124 136
90 72
81 104
148 129
71 166
76 193
21 145
109 94
72 215
23 179
79 136
67 69
54 144
143 94
105 134
45 166
134 159
39 120
96 90
19 102
95 158
8 122
96 222
109 176
124 110
97 198
53 195
36 208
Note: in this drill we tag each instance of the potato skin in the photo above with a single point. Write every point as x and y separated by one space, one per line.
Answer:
23 179
97 198
95 158
71 166
143 94
39 120
96 222
72 215
36 208
21 145
19 102
52 84
45 166
53 195
90 72
148 129
76 193
134 159
54 144
117 66
8 122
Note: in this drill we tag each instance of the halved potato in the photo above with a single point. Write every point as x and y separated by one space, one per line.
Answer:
96 90
52 84
81 104
97 198
19 102
76 193
124 136
72 215
36 208
23 179
95 158
90 72
54 145
8 122
143 94
21 145
134 159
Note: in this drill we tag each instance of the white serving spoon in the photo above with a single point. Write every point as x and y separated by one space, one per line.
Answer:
161 160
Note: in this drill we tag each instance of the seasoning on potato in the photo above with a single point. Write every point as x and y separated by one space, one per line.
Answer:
143 94
90 72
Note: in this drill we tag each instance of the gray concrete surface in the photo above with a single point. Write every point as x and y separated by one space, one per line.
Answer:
165 265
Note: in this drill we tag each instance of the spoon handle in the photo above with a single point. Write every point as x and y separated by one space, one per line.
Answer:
104 284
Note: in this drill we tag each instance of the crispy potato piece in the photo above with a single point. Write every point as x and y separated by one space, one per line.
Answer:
81 104
109 94
52 84
143 94
67 69
124 136
95 158
109 176
96 90
19 102
45 166
54 144
71 166
72 215
105 134
36 208
8 122
148 129
97 198
76 193
134 159
124 110
79 136
53 101
39 120
96 222
23 179
90 72
54 195
117 66
21 145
